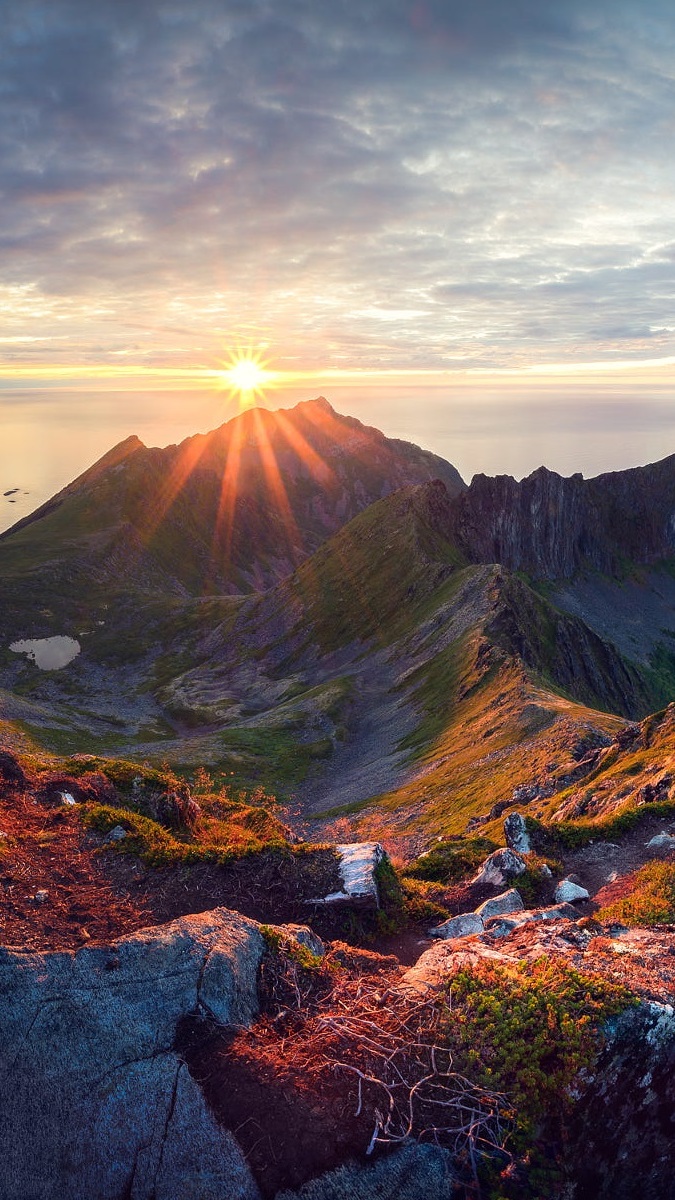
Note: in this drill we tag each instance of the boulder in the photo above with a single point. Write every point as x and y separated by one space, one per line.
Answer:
500 866
515 832
418 1171
358 868
507 902
457 927
569 892
95 1100
305 936
662 843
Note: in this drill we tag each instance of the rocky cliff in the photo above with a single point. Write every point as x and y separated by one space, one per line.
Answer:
551 527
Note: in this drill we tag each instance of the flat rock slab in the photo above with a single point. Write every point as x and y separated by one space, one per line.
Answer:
496 906
457 927
358 868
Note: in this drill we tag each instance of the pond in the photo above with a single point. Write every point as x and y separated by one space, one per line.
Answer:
49 654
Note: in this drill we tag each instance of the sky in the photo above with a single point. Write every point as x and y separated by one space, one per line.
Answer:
453 219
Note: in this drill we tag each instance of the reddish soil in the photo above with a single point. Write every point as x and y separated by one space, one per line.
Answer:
47 849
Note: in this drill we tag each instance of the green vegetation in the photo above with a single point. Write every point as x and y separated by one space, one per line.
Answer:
451 861
651 900
374 577
280 943
571 835
528 1031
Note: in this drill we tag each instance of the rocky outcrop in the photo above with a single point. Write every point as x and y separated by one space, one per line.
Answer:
551 527
95 1100
618 1144
358 864
417 1172
500 866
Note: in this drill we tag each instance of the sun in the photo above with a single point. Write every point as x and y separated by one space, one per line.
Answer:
246 376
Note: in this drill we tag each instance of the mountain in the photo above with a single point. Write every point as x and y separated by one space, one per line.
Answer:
385 665
441 637
552 527
233 510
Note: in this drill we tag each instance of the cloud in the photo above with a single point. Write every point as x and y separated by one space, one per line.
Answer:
499 171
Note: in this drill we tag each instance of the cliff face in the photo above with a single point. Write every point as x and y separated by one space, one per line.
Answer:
551 527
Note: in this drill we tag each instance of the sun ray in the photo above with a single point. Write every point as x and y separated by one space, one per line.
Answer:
246 376
165 495
315 464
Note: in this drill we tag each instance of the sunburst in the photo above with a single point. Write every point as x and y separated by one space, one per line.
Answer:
246 376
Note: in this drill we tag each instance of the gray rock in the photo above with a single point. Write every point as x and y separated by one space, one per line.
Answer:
500 927
507 902
661 843
306 936
515 832
95 1101
461 926
117 834
358 867
570 892
417 1172
500 866
41 897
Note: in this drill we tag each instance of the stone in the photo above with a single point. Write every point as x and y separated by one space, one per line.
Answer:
557 912
570 892
95 1100
117 834
418 1171
41 896
507 902
457 927
515 832
500 927
305 936
68 799
500 866
358 867
661 843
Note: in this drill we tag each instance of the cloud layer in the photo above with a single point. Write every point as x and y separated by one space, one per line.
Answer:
355 182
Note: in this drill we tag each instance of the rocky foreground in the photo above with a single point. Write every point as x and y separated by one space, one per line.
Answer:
100 1097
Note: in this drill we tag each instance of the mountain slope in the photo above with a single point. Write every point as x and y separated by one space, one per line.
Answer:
233 510
386 665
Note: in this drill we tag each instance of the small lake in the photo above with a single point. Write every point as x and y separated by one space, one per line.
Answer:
49 654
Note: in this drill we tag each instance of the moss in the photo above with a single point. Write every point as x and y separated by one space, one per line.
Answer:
282 944
451 862
651 900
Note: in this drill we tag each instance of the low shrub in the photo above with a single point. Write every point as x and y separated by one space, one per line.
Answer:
651 900
451 862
